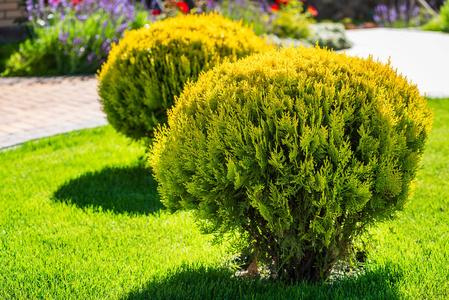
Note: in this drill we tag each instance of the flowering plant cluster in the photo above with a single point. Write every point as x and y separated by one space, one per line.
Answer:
169 8
72 36
283 4
262 15
75 36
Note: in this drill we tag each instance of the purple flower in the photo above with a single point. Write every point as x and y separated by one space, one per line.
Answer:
90 57
53 4
121 28
392 14
104 47
211 5
382 8
77 41
382 12
415 11
63 38
129 14
403 9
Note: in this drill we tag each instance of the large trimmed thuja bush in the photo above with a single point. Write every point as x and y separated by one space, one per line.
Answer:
149 66
299 150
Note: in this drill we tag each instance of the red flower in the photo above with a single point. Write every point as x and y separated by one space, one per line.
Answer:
283 2
183 6
274 7
75 2
312 11
155 12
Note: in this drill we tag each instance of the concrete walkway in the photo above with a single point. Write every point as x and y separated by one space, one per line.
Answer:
32 108
422 56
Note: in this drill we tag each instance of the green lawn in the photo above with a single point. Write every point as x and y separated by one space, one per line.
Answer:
80 218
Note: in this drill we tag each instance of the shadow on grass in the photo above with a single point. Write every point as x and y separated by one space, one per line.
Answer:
122 190
202 283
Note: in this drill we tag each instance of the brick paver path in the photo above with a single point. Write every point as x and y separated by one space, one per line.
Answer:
32 108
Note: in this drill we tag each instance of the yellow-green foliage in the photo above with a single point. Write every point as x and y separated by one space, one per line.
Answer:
150 66
299 150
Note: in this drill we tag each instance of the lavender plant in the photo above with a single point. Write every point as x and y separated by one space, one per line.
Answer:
400 14
72 36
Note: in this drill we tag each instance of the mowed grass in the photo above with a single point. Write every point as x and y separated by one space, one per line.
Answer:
80 218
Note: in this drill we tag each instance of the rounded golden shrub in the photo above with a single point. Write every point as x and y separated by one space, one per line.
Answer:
148 68
299 150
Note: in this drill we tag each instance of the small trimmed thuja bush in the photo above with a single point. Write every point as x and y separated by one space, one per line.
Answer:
148 68
298 150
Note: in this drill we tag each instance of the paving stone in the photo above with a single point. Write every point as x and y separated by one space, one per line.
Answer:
32 108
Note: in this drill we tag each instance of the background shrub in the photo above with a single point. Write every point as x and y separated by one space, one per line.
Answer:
150 66
287 42
330 35
72 37
7 48
441 21
298 150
